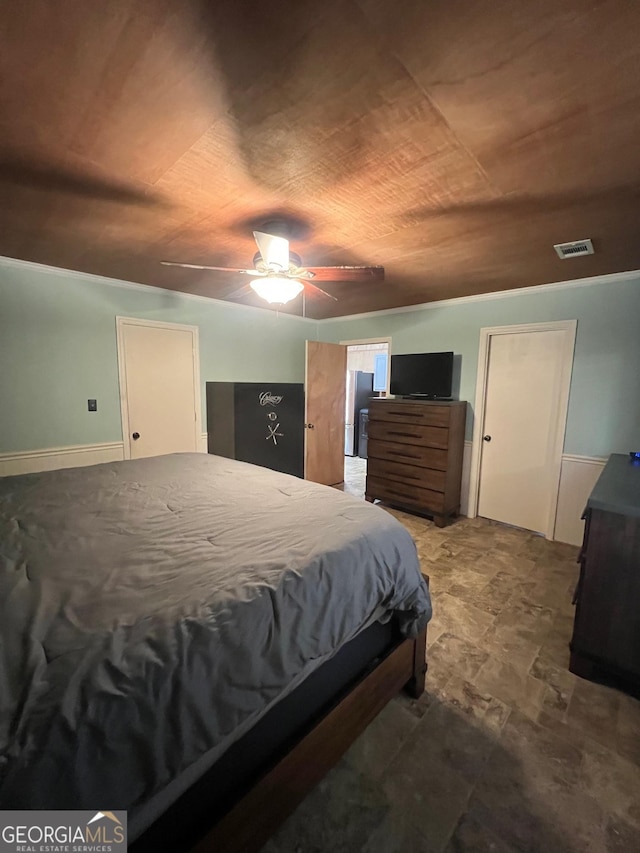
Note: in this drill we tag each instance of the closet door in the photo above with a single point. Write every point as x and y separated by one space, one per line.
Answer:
518 469
159 387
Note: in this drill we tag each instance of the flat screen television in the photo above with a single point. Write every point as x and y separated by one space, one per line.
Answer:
423 374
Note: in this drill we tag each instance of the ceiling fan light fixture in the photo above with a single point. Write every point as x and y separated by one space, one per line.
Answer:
276 289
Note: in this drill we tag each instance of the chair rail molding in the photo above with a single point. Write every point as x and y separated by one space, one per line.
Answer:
53 458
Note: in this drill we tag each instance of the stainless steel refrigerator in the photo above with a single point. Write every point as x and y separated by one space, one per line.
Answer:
359 392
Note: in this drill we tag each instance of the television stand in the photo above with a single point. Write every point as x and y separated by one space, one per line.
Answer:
427 397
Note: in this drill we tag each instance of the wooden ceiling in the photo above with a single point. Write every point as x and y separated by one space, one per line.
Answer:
452 141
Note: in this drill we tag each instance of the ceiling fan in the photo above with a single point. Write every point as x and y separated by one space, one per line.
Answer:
280 276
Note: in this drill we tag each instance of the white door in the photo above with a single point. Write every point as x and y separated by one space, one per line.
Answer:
525 403
159 387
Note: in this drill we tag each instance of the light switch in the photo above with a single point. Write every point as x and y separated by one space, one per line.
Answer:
92 405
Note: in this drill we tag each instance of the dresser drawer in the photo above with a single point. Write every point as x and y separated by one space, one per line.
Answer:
403 493
411 454
425 478
403 413
408 433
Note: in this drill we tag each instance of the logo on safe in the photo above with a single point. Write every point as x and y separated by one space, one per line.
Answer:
268 399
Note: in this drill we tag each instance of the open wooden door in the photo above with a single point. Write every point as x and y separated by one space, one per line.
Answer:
325 388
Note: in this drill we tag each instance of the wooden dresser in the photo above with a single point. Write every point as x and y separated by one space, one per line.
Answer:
606 630
415 455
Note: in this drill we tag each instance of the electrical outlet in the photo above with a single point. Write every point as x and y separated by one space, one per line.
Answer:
92 405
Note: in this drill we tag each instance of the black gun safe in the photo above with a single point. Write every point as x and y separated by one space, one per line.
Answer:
257 422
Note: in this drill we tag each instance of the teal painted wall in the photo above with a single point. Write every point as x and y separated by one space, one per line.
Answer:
604 404
58 349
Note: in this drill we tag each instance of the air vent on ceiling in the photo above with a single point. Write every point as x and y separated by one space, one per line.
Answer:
575 249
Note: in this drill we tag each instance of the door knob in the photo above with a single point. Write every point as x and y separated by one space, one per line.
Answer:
309 426
486 438
135 436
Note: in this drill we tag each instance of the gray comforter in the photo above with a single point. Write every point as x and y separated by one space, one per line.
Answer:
151 611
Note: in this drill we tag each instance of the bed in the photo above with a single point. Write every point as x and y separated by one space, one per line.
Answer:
188 630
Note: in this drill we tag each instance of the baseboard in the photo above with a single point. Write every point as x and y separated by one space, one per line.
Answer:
578 476
74 456
52 458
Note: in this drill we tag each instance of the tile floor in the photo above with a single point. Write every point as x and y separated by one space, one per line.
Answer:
506 750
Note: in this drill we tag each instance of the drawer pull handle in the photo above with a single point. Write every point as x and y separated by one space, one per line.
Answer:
399 494
405 475
578 589
405 434
403 455
400 413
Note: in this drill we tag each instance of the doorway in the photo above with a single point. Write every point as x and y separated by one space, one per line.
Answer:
159 372
368 368
524 374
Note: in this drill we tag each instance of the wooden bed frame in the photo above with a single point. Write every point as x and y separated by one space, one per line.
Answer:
255 818
246 823
250 823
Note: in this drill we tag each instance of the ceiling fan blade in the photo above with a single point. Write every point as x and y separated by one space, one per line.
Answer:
31 173
314 289
347 273
205 267
274 250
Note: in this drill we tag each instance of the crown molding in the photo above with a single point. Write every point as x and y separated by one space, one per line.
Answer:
17 263
609 278
600 461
